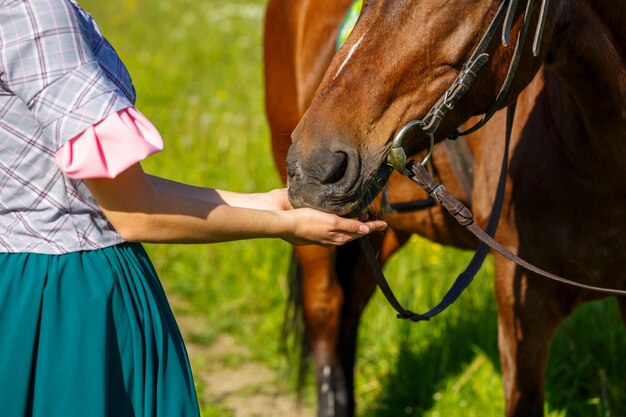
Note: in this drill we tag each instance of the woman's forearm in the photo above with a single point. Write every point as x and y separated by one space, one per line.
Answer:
176 218
152 209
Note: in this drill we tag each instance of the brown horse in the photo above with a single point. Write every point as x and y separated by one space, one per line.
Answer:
336 284
565 197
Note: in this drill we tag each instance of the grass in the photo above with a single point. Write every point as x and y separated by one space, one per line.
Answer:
196 65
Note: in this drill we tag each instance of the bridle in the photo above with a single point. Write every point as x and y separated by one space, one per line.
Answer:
418 173
430 123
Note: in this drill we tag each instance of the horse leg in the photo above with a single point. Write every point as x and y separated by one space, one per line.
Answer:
529 312
322 298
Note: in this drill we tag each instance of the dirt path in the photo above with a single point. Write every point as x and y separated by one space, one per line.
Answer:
234 381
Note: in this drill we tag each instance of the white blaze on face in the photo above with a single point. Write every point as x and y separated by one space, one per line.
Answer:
348 56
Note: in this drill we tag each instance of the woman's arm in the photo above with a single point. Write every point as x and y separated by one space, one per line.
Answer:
150 209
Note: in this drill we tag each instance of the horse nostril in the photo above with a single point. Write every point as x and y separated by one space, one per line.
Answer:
334 167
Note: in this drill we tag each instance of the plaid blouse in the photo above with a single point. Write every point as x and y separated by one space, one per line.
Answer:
58 76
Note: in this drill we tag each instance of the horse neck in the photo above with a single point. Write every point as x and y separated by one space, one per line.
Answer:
588 94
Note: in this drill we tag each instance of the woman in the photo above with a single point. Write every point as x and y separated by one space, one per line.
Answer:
86 329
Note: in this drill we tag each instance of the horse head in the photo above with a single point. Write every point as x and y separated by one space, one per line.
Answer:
402 59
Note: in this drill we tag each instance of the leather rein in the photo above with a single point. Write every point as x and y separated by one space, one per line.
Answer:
418 173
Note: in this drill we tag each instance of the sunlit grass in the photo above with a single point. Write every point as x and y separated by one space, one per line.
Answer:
196 65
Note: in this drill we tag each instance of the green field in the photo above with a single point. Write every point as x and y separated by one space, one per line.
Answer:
197 68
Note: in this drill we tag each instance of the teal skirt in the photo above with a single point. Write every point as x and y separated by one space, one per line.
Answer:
90 334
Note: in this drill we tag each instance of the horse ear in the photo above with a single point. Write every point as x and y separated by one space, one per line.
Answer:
348 22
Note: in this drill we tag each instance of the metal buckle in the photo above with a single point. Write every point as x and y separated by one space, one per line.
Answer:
397 157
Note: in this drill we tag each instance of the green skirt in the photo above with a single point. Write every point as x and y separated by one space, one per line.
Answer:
90 334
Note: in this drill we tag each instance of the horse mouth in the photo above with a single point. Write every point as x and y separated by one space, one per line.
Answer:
332 200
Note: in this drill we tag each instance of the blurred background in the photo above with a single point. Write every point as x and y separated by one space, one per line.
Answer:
197 68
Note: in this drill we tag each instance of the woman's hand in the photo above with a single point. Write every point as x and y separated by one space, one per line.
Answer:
278 199
316 227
